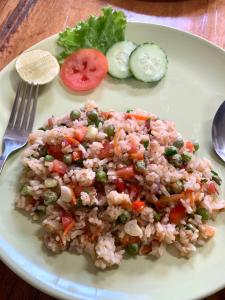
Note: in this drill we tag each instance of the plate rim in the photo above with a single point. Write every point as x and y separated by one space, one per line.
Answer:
25 275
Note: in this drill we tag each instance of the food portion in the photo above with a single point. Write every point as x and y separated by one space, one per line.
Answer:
37 66
84 70
115 184
106 34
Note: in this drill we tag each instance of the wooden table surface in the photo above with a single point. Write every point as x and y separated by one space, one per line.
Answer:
26 22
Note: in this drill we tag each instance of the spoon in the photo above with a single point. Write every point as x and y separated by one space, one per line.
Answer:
218 132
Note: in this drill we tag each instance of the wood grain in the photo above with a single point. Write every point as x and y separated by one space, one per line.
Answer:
26 22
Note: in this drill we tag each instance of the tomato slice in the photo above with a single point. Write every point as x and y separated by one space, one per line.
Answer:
84 69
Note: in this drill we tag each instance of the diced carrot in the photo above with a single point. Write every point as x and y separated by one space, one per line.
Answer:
59 167
71 140
80 133
145 249
137 155
117 148
189 146
177 214
140 117
77 155
68 228
212 188
128 239
138 205
106 114
55 151
126 173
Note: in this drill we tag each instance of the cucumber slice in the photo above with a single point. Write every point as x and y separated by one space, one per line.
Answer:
118 59
148 62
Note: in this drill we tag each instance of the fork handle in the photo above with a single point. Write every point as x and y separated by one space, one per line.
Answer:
2 162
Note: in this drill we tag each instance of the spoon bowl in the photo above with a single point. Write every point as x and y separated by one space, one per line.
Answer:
218 132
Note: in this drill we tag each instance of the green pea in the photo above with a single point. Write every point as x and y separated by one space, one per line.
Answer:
50 197
101 176
25 191
75 115
186 156
49 157
176 160
110 131
68 159
179 143
129 110
177 187
216 177
145 144
157 217
203 212
140 166
43 151
79 203
170 151
124 217
92 115
42 128
190 227
132 249
196 146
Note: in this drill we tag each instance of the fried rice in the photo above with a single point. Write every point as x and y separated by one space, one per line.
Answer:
113 184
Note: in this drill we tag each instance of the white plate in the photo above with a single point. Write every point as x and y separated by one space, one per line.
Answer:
190 95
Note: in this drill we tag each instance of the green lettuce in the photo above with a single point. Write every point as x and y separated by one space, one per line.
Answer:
96 32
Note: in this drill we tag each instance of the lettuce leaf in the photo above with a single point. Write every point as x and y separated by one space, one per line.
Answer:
97 32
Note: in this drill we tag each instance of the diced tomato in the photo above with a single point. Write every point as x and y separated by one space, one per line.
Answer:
212 188
138 205
177 214
134 191
77 190
80 133
137 116
126 173
77 155
190 147
107 150
66 220
120 185
68 223
84 69
71 140
137 155
133 143
145 249
106 114
59 167
128 239
55 151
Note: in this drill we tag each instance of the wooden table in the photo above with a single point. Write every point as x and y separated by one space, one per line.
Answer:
26 22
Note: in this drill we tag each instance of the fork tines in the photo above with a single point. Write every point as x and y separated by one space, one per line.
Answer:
24 107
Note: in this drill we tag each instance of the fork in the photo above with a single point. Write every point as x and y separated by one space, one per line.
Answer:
21 120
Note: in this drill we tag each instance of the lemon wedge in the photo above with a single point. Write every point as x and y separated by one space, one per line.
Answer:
37 67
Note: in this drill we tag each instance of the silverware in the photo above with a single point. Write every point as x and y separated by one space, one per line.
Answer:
21 120
218 132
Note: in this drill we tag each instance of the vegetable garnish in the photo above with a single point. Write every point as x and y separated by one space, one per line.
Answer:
84 69
96 32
